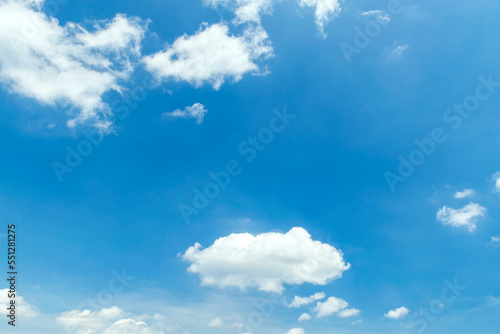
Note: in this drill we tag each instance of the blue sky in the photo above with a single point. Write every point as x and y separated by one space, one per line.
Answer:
262 93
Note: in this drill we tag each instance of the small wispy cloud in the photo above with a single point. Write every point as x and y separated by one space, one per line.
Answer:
215 323
301 301
382 16
336 306
397 313
492 301
464 217
196 111
496 179
398 51
495 242
465 193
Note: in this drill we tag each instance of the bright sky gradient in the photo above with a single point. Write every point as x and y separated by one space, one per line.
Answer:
251 166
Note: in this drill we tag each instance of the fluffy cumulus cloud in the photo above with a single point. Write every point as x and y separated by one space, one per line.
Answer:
212 56
266 261
304 317
105 321
296 331
69 64
397 313
196 111
301 301
335 306
464 217
325 11
23 308
465 193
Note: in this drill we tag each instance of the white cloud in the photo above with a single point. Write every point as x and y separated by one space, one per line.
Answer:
250 11
215 323
105 321
211 56
496 179
24 309
398 51
326 10
492 301
464 217
236 325
66 65
300 301
465 193
196 111
397 313
336 306
304 317
296 331
245 10
347 313
495 241
266 261
382 16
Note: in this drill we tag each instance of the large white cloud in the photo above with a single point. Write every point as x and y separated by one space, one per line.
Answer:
66 64
212 55
464 217
266 261
336 306
325 11
397 313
